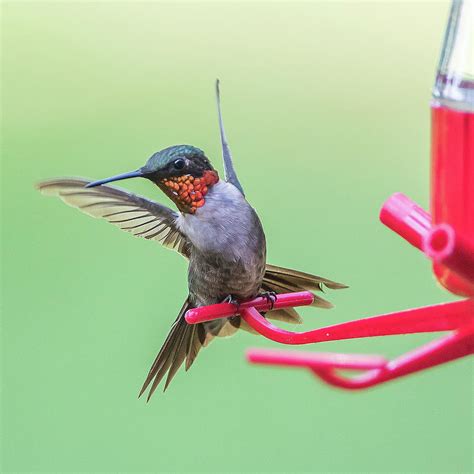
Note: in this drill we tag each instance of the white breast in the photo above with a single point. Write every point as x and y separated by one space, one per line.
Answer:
223 224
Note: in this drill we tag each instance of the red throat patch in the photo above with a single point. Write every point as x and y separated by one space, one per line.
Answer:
189 192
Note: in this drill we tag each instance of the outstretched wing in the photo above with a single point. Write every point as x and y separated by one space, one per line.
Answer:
135 214
230 174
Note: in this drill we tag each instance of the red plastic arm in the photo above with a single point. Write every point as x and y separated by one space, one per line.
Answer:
453 346
315 360
440 317
224 310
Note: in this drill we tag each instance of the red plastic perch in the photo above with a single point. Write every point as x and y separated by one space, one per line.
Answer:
439 317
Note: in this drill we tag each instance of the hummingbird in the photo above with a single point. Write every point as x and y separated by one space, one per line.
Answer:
214 228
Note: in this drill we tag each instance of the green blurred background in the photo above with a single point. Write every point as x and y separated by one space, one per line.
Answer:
326 107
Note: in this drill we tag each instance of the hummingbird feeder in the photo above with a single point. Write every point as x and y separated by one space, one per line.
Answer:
446 237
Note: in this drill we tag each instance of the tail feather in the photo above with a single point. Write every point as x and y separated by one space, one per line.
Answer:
272 285
182 343
195 342
179 354
287 315
280 280
304 280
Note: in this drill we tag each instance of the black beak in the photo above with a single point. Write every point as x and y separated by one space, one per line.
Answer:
131 174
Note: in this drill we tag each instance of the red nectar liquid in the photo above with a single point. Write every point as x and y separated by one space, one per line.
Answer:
452 182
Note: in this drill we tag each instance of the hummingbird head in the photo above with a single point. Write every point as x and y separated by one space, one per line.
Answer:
182 172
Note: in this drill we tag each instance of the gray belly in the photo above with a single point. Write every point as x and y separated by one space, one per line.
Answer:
212 278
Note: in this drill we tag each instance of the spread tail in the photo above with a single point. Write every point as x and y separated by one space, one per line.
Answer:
182 344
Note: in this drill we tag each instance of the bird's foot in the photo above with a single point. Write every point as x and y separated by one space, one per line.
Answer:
270 296
232 300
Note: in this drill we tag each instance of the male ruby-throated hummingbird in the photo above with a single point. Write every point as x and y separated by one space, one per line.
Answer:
216 229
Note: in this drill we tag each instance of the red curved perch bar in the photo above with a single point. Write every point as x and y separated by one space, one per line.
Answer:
441 317
434 318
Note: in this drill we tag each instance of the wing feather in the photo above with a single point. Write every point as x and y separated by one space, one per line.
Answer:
129 212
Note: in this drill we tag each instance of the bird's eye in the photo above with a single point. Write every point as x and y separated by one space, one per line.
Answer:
179 164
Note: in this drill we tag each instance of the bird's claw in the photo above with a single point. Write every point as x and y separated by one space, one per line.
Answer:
270 296
232 300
